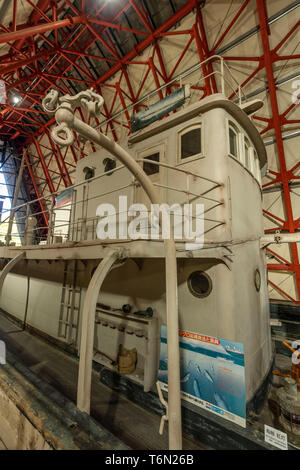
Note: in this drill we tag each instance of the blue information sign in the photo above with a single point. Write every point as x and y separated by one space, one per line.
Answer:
212 373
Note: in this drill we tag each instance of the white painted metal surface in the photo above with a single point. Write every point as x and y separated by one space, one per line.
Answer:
228 185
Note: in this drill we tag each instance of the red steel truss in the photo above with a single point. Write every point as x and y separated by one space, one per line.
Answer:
35 62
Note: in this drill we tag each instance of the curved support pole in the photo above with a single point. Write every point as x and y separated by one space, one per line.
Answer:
65 116
67 119
88 329
9 267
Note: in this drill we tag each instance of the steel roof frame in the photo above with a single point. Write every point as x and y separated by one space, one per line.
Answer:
69 45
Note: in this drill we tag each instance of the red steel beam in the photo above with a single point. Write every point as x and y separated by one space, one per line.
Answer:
36 190
182 12
44 166
196 36
282 292
151 38
139 48
264 34
222 37
39 29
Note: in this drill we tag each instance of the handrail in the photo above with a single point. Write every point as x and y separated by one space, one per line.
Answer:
176 168
55 193
199 66
179 77
223 67
101 175
49 210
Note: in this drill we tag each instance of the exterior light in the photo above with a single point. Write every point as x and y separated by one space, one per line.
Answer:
16 99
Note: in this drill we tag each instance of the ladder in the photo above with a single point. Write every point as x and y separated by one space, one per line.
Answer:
70 303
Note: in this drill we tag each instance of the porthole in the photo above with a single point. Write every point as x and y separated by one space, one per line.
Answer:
109 164
89 172
199 284
257 280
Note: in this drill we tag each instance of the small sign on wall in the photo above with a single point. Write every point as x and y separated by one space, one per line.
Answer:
276 438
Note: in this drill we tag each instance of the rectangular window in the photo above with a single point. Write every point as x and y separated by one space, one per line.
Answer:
190 143
252 162
247 154
150 168
257 168
233 145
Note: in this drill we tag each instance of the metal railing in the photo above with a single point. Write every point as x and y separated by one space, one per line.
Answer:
228 85
81 228
78 226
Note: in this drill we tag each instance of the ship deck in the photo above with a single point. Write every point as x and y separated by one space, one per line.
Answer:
132 424
96 249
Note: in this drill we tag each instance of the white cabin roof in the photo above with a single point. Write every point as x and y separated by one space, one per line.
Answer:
217 100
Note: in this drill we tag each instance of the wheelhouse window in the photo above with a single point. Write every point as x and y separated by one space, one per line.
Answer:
243 150
190 142
233 141
109 164
151 168
89 172
257 173
247 153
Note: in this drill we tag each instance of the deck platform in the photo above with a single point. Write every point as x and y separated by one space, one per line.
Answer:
136 427
96 249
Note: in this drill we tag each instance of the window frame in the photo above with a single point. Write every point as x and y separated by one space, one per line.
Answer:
256 166
247 143
200 295
156 167
232 126
160 149
252 162
185 130
87 170
242 140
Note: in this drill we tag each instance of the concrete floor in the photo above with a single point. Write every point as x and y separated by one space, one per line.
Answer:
135 426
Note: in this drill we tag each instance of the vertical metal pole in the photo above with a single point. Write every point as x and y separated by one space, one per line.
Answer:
174 395
222 76
36 190
25 241
16 195
51 224
196 36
